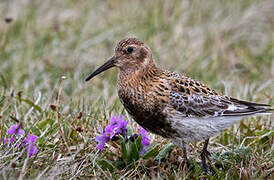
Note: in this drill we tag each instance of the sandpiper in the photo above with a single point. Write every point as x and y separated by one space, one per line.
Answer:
169 104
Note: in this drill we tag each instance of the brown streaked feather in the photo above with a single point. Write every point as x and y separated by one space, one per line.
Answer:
193 98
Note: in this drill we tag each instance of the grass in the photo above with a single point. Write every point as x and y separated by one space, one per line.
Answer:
51 46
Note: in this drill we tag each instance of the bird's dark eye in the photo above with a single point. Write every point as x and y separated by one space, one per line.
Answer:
129 50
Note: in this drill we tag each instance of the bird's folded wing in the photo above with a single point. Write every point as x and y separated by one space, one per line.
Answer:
196 100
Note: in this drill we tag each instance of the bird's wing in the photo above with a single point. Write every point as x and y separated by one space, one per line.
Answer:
194 99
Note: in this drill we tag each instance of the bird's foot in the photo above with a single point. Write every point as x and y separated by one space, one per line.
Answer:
186 163
185 160
205 154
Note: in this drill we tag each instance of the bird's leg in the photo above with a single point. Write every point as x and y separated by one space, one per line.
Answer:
185 156
205 155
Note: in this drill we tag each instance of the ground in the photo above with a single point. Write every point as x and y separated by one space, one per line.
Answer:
47 49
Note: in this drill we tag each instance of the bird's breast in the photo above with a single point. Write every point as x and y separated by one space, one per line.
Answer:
136 101
146 110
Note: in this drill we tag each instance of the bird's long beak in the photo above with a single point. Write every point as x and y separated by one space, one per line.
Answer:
109 64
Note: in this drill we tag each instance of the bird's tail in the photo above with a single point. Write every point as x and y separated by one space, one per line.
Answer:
248 108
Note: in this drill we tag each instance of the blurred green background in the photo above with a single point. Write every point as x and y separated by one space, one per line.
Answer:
218 42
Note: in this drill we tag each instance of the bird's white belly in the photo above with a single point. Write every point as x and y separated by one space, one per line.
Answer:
193 129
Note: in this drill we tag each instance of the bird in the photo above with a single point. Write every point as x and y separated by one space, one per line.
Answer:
170 104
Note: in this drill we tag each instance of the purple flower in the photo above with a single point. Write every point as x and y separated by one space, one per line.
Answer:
30 140
8 141
115 127
29 144
102 139
31 150
109 130
114 121
11 139
112 126
16 130
122 127
144 140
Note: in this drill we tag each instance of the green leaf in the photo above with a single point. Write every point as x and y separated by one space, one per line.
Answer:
119 163
162 154
43 124
196 170
3 82
134 153
225 138
123 149
106 164
138 142
29 102
151 151
73 135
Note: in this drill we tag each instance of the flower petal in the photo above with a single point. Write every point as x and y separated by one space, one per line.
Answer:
11 130
5 140
100 146
32 151
11 139
145 139
21 132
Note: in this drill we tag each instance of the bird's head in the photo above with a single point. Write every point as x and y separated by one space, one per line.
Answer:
130 55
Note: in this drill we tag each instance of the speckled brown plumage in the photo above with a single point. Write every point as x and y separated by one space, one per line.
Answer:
169 104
